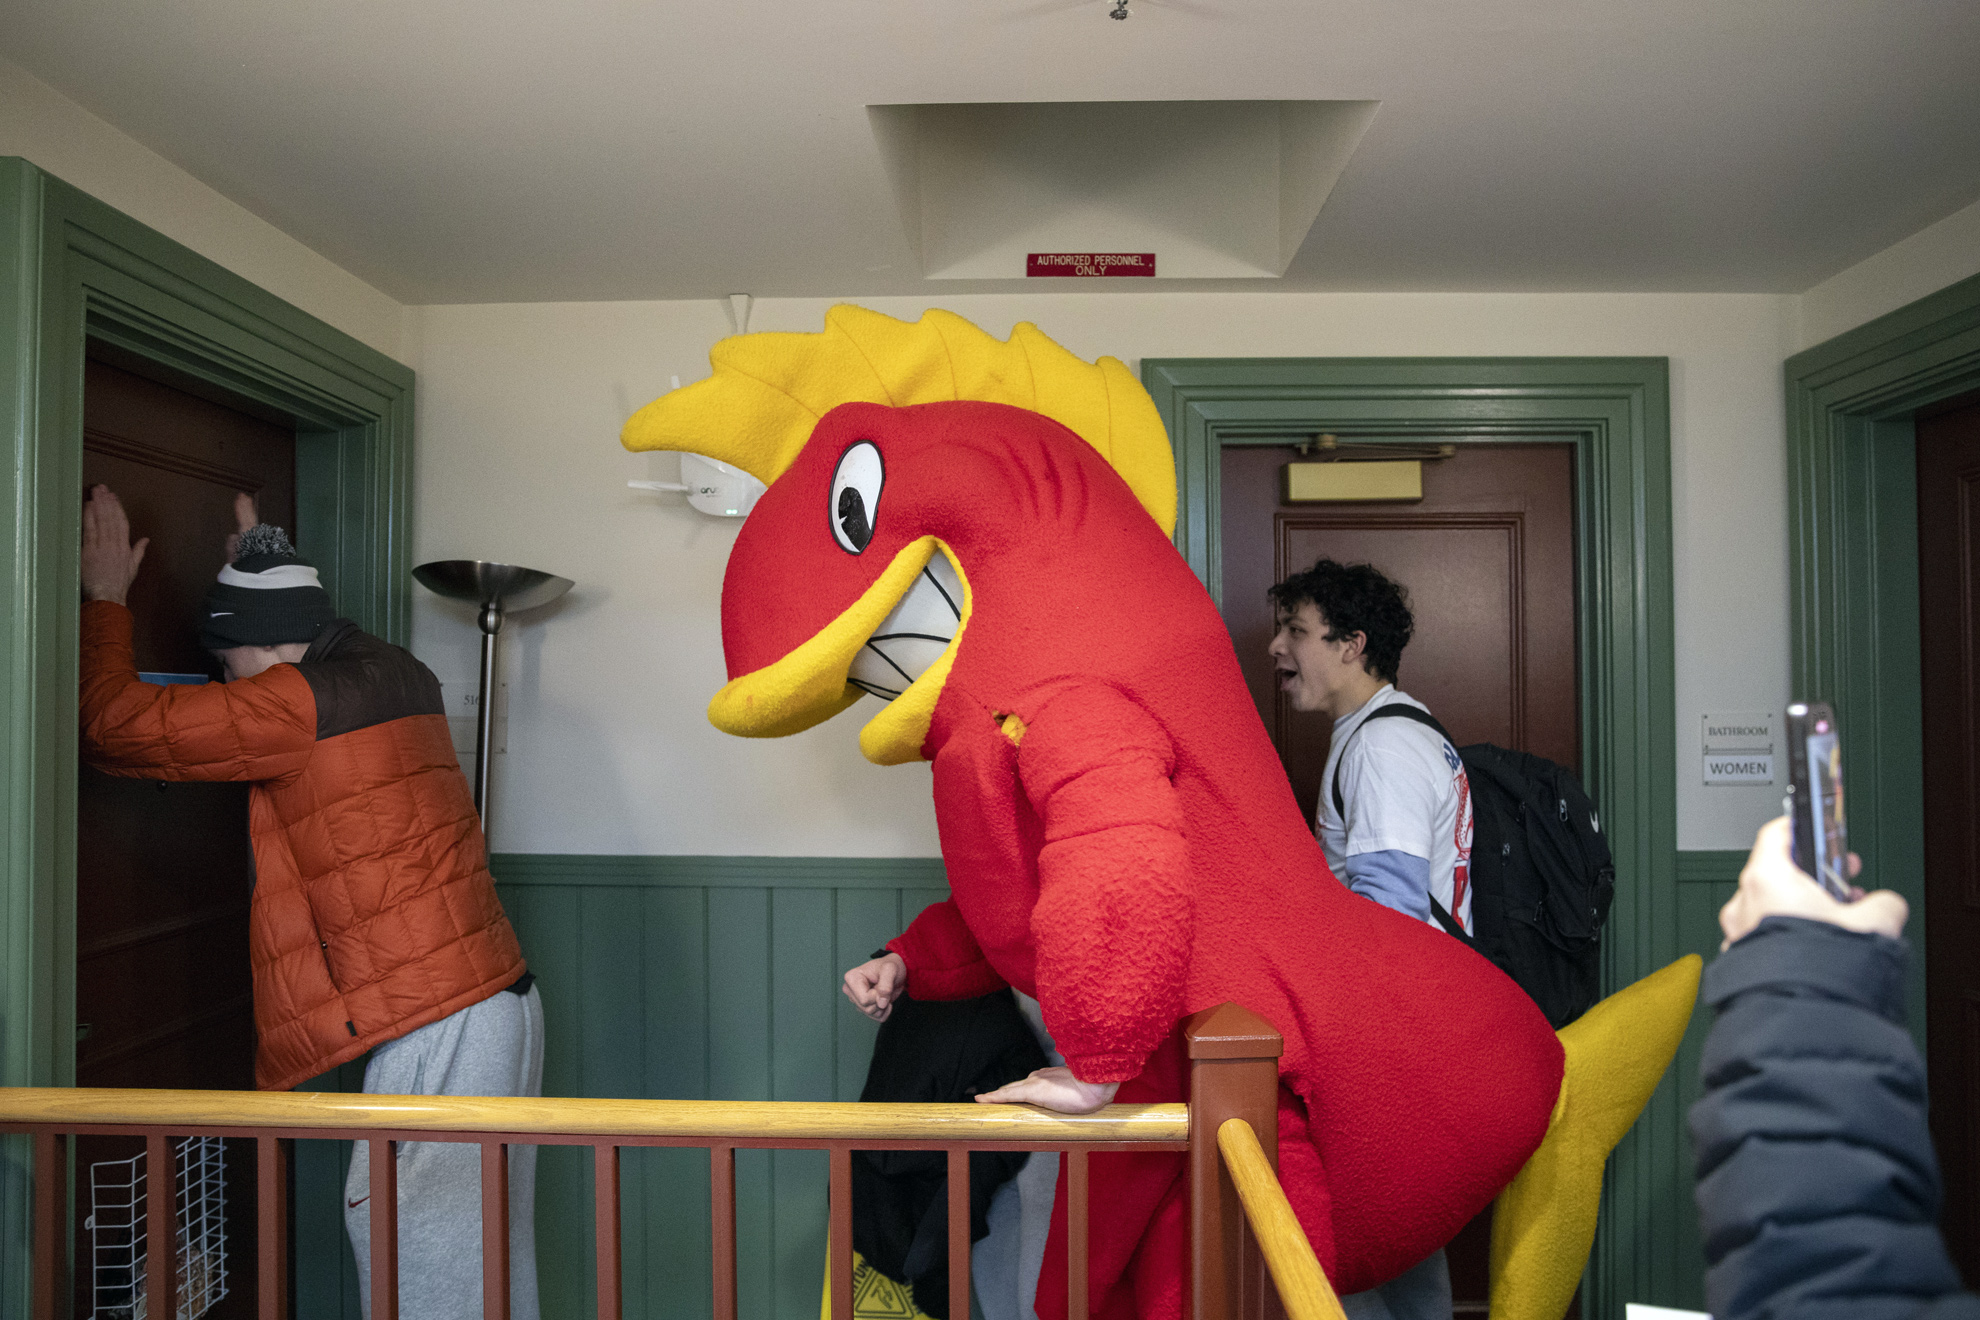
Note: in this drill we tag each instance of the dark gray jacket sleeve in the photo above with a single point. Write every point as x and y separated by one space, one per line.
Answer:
1818 1193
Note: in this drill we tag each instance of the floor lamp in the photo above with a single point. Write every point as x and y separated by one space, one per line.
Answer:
498 589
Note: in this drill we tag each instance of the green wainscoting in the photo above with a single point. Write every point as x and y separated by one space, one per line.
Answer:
681 977
717 977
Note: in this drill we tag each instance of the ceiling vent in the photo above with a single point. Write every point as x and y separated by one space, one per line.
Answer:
1215 189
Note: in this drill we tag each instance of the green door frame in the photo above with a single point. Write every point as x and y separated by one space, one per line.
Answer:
73 269
1853 562
1616 412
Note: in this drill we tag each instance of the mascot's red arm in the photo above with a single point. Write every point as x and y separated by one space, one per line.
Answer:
943 959
1111 924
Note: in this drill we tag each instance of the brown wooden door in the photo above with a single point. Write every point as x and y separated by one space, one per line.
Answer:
1487 557
1488 560
164 871
1949 618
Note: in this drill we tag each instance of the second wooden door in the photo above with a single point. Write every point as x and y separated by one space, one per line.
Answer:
1487 558
164 872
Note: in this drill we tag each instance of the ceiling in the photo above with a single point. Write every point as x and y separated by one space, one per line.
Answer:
512 150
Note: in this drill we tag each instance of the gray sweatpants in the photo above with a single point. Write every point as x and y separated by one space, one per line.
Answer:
494 1047
1004 1266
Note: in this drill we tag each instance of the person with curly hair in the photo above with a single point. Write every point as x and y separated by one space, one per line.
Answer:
1395 807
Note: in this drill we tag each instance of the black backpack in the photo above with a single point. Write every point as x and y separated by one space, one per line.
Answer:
1542 877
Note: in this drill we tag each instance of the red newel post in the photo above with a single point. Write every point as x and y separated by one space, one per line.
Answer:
1233 1073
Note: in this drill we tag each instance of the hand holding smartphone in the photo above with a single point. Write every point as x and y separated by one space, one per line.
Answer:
1815 797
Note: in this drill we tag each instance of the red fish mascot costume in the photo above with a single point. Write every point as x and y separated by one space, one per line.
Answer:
977 532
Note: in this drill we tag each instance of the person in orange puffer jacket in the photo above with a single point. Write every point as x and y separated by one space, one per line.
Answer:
374 925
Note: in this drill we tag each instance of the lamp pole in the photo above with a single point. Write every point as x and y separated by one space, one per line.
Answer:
497 589
484 711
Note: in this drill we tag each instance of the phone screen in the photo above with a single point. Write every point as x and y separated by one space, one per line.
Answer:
1830 864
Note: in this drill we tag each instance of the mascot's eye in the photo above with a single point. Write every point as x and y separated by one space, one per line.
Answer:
856 495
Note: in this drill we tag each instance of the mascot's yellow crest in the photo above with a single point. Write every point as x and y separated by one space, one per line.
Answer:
769 390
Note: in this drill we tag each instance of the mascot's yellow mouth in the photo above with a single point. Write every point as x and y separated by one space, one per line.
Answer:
812 683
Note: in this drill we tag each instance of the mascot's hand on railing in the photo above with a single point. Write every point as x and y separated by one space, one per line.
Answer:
1055 1089
1302 1284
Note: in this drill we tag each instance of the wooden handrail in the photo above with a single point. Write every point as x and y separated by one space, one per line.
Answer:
732 1120
1233 1075
1303 1285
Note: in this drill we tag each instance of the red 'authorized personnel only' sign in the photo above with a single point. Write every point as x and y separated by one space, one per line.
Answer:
1090 264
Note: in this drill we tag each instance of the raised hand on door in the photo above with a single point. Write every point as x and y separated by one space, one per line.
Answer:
109 559
245 516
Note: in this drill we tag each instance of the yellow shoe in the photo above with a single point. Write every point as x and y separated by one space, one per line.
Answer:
1543 1223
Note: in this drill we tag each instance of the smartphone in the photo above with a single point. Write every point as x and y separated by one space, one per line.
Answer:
1815 796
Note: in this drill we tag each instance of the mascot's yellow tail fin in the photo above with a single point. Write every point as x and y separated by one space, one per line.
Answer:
1544 1222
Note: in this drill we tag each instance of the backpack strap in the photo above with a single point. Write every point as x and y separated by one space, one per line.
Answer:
1450 923
1402 710
1399 709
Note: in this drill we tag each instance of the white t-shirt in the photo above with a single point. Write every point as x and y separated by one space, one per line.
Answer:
1405 791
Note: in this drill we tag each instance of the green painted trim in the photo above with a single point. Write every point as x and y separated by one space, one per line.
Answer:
1853 563
648 872
1616 412
71 269
1718 866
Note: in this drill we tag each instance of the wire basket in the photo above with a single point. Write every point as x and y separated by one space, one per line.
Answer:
116 1227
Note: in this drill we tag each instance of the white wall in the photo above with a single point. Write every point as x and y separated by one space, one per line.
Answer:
610 751
519 407
67 141
1929 260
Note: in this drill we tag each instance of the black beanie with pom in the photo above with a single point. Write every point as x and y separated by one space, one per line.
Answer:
269 595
